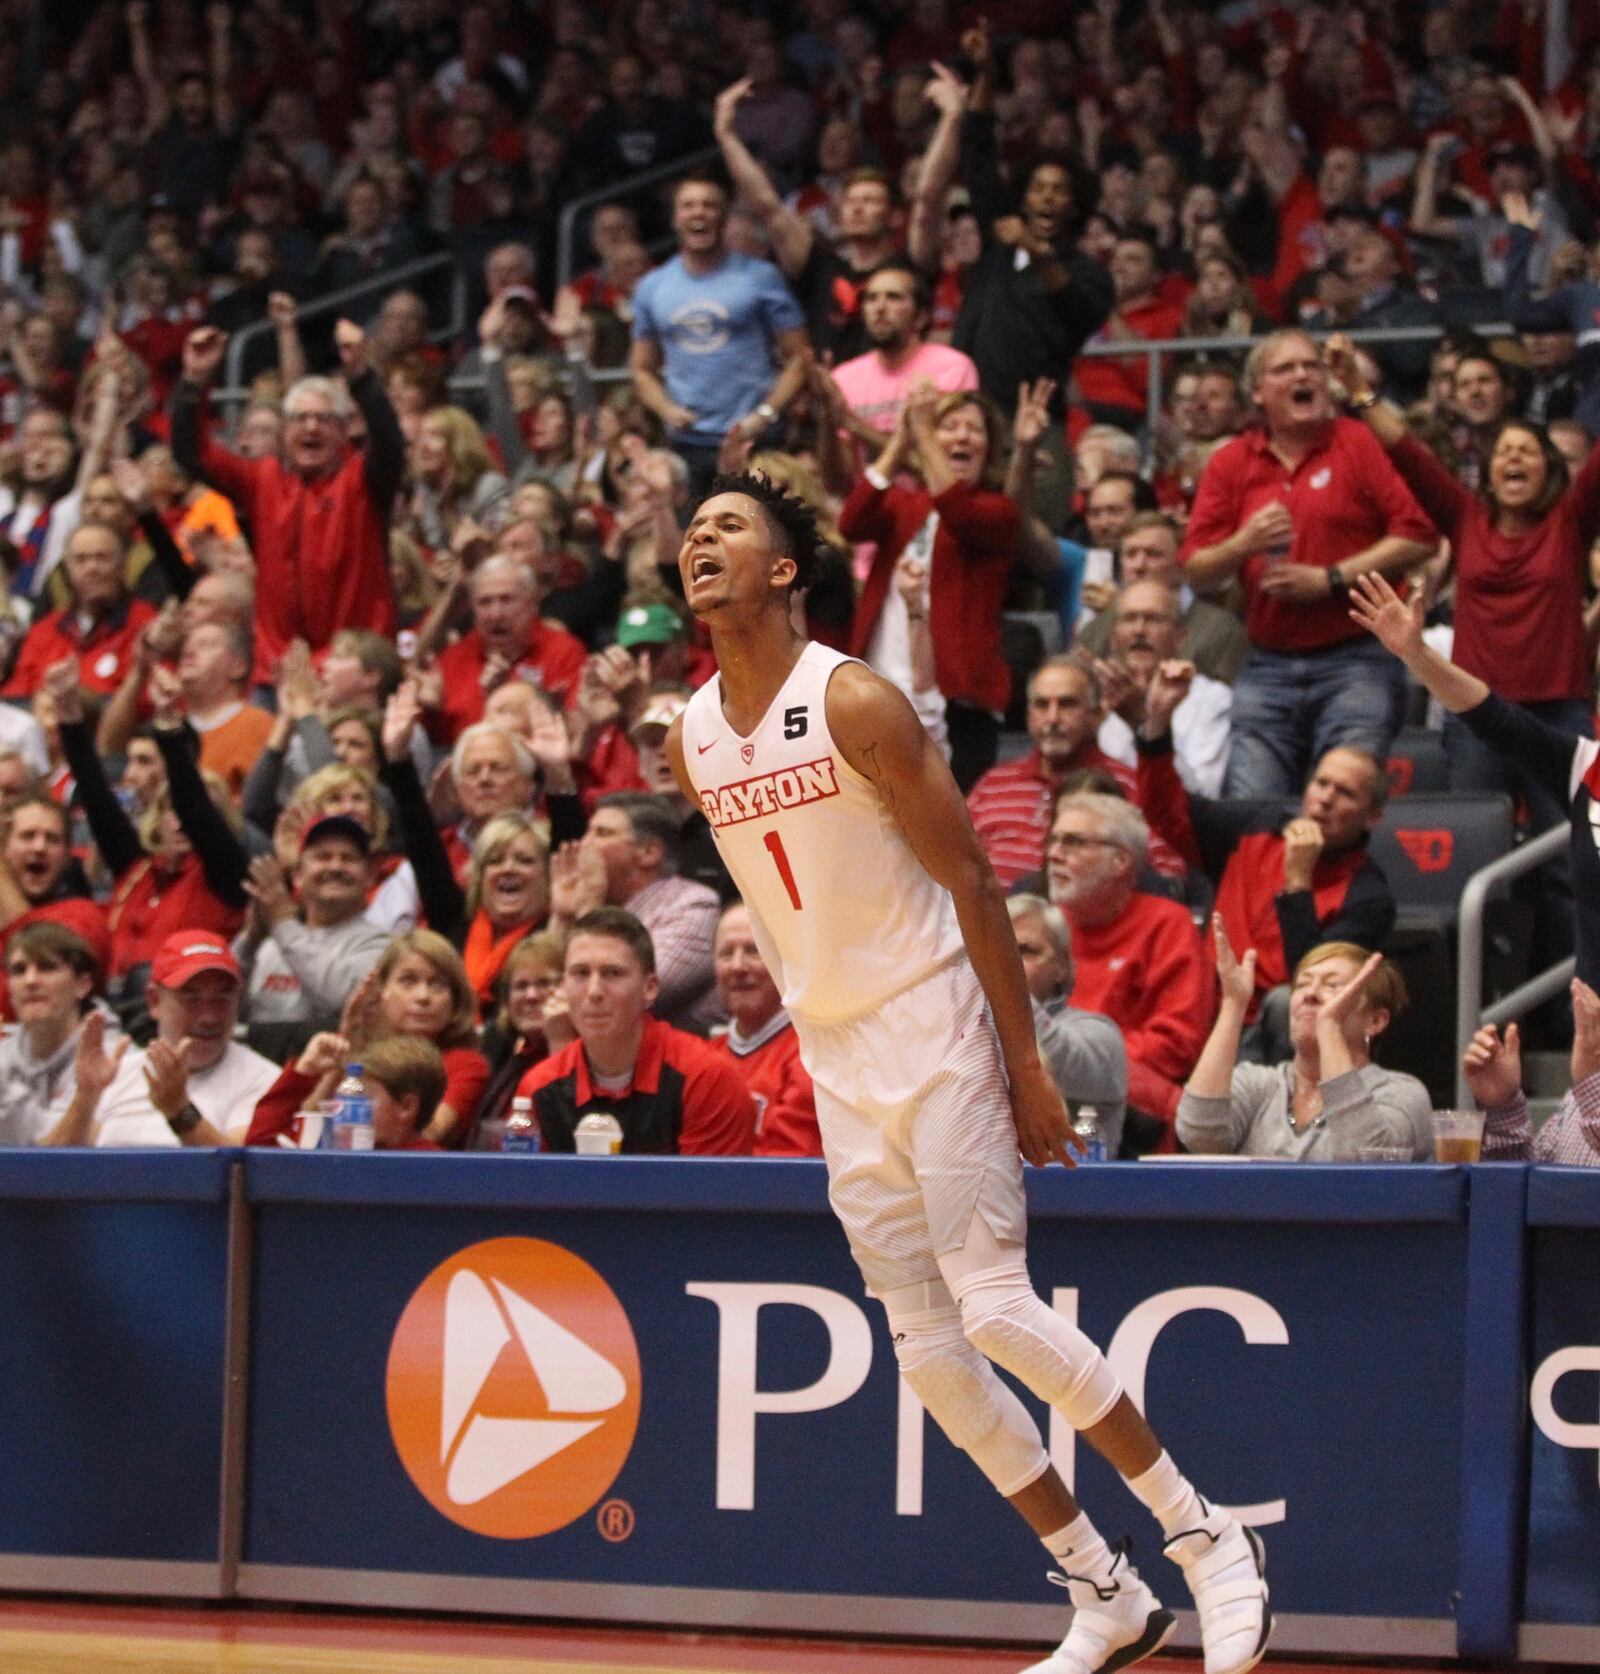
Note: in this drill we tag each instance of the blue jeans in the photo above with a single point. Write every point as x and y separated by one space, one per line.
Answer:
1290 709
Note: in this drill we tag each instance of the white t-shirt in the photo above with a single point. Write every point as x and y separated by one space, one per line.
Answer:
226 1095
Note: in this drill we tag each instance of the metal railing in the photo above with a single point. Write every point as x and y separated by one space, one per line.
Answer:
1155 350
1471 1013
567 226
338 302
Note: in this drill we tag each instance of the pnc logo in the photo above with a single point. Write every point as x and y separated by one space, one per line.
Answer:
513 1388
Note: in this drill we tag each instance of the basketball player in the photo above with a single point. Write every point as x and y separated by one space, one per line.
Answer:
881 919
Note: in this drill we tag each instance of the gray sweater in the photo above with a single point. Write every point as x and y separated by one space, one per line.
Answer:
1368 1106
298 980
1089 1062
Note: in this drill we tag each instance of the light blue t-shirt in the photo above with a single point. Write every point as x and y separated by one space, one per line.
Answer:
716 333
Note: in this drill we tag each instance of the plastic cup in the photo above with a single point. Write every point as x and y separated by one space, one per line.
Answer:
1457 1136
307 1129
598 1136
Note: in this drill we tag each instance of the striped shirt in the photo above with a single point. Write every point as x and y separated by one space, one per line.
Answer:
1571 1136
1010 808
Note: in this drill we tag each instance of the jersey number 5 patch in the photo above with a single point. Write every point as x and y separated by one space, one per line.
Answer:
796 722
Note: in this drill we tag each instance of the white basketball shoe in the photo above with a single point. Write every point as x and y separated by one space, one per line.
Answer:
1226 1569
1115 1623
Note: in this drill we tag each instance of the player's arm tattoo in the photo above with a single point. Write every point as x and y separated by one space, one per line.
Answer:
869 758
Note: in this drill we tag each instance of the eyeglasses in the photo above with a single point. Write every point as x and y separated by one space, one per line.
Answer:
310 418
1074 842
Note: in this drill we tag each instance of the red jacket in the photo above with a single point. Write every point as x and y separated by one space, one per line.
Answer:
972 555
103 653
786 1103
149 905
1126 383
553 661
1147 971
322 547
684 1098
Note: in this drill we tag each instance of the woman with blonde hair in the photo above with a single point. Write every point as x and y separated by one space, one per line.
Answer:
1330 1102
453 476
956 443
420 988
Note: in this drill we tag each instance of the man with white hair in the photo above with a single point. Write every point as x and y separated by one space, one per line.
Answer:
320 516
508 640
1084 1050
1137 958
494 774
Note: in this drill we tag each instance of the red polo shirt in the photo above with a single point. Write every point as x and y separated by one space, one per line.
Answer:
103 653
1343 497
770 1066
553 661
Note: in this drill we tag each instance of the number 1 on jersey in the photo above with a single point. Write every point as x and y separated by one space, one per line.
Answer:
779 859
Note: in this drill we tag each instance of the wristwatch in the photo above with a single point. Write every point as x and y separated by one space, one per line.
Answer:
1338 586
767 411
185 1119
1364 402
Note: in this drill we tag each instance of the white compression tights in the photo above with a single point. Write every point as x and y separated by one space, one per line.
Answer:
985 1309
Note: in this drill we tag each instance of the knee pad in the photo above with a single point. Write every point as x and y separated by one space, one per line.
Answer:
979 1414
1007 1320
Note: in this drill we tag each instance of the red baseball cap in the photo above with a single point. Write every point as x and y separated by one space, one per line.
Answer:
186 954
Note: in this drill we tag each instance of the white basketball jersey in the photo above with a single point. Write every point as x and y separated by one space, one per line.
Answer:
843 912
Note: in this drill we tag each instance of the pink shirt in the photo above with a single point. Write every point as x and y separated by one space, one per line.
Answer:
876 394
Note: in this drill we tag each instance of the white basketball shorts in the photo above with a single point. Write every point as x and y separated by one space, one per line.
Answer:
916 1127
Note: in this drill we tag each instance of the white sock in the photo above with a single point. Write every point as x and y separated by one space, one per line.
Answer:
1079 1549
1167 1493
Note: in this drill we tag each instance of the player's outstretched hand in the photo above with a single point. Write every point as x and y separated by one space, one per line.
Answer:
1044 1129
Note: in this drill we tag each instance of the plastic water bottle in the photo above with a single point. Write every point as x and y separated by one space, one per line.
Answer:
521 1137
1088 1136
351 1126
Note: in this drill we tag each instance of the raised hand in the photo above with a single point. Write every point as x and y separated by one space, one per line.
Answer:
269 890
358 1022
1333 1011
1033 411
282 310
727 105
93 1067
323 1053
1343 364
1493 1067
165 691
61 682
564 881
297 682
1236 978
203 350
133 484
946 91
166 1074
400 715
1395 623
977 44
1519 211
1169 686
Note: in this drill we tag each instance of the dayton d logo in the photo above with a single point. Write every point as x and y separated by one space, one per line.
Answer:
513 1388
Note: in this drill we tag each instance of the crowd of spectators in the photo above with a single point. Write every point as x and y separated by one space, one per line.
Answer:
342 489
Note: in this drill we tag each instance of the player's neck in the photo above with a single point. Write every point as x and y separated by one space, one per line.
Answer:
754 659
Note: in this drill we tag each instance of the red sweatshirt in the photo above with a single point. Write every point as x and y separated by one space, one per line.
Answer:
1146 970
553 661
786 1105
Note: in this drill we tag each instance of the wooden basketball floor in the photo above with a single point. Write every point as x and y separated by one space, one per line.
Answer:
72 1638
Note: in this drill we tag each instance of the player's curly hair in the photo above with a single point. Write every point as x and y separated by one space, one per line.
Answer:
791 521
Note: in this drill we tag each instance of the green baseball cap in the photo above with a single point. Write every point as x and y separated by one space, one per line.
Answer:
651 624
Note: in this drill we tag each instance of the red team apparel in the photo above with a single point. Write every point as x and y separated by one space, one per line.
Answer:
553 661
816 856
786 1105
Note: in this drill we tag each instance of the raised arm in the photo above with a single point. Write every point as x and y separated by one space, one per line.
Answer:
112 830
223 858
792 235
283 311
441 896
924 233
384 461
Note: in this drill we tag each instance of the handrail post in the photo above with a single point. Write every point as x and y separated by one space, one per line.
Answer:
1537 851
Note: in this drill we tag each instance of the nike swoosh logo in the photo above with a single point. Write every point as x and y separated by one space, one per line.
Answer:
700 749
